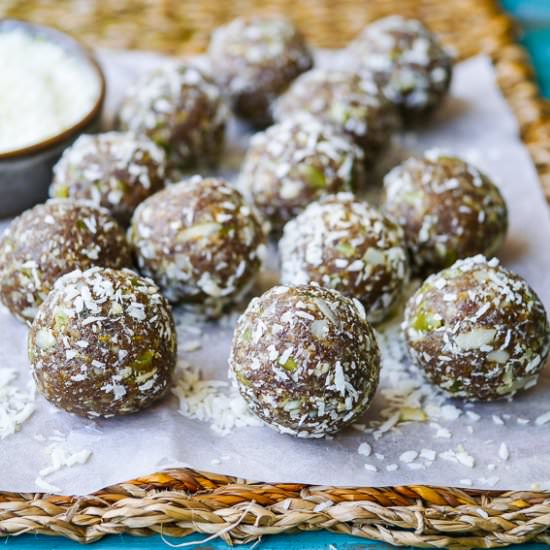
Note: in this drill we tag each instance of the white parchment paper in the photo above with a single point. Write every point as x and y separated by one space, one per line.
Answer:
501 445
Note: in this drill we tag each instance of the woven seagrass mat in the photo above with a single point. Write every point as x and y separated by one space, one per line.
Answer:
179 502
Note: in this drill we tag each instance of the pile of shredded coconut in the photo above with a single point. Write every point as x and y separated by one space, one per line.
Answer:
60 455
45 90
212 401
16 406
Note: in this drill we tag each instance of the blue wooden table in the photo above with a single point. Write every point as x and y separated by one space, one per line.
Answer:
534 16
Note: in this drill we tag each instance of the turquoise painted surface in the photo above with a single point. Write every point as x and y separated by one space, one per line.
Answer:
301 541
534 17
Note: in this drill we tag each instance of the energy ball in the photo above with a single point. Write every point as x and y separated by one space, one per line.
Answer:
352 103
50 240
349 246
114 170
103 343
305 359
477 330
182 110
206 246
448 209
255 59
295 162
409 63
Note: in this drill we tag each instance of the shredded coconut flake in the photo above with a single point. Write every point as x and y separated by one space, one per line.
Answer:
542 419
212 401
16 406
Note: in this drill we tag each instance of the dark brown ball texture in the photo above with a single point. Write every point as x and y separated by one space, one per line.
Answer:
352 103
200 242
50 240
448 209
114 170
255 59
341 243
103 343
295 162
181 108
408 62
477 330
305 359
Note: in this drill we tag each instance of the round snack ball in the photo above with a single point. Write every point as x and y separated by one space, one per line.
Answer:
347 245
206 246
50 240
182 110
255 59
408 61
352 103
295 162
477 330
114 170
448 209
103 343
305 359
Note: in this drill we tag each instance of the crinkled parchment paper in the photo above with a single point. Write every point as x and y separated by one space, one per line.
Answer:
409 435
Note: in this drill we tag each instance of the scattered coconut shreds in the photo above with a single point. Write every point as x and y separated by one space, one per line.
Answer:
392 467
16 406
428 454
387 425
522 421
408 456
45 486
466 482
61 456
371 468
191 345
498 420
450 412
364 449
213 401
488 481
542 419
460 456
503 452
440 431
474 417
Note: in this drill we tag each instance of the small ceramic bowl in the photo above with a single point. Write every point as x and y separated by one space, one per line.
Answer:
26 173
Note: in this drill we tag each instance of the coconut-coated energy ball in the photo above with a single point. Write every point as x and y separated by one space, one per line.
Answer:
255 59
352 103
50 240
200 242
408 61
103 343
448 209
305 359
477 330
295 162
347 245
182 110
114 170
